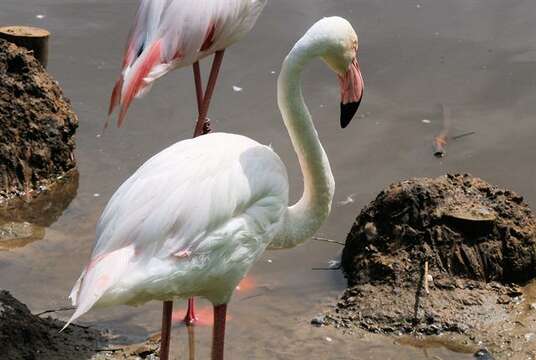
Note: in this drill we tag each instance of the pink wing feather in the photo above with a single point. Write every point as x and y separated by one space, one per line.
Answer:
169 34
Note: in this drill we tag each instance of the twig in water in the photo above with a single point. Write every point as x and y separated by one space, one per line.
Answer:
463 135
109 350
418 294
316 238
329 268
66 308
251 297
426 289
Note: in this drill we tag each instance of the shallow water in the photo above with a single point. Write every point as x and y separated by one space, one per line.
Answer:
477 58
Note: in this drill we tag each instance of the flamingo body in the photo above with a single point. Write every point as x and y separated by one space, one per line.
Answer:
170 34
190 221
194 218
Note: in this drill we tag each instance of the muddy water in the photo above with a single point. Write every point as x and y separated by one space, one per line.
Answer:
476 58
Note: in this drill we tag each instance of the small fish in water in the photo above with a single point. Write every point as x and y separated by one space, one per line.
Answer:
483 354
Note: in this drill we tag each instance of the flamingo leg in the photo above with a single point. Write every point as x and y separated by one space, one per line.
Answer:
218 332
201 126
166 330
198 86
191 342
190 318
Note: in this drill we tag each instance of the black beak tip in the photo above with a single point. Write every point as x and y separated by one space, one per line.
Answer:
347 112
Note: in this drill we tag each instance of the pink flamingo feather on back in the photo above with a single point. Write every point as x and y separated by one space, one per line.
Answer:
171 34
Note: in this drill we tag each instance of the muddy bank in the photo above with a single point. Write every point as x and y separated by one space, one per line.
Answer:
37 125
443 256
24 336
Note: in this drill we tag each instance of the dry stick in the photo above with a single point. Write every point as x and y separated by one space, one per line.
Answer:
463 135
426 289
67 308
316 238
418 295
330 268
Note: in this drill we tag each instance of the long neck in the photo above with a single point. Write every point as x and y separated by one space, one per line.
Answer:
305 217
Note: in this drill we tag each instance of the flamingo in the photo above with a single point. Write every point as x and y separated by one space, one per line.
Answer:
171 34
193 219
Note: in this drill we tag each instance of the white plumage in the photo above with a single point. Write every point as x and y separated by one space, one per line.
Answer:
194 218
197 214
170 34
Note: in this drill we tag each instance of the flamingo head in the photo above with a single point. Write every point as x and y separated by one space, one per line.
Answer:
339 51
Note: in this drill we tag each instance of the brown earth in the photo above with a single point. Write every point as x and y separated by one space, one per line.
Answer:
37 125
24 336
443 256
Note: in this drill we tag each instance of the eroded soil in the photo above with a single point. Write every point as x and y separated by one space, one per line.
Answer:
37 125
445 257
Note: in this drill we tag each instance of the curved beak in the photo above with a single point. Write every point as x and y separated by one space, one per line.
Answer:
352 87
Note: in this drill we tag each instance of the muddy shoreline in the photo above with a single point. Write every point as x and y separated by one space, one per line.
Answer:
444 257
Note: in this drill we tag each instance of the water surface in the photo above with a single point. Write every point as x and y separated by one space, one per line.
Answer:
476 58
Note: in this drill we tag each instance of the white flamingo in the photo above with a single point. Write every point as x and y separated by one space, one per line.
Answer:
194 218
171 34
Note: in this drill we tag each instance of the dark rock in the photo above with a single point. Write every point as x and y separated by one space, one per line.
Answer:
318 321
483 354
37 124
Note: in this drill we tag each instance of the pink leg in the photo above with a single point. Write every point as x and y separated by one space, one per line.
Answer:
218 332
166 330
203 111
191 342
190 318
198 86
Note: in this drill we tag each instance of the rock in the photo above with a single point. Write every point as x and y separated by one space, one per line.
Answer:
318 321
483 354
37 125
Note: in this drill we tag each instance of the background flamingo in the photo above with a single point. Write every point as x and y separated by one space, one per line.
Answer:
193 219
170 34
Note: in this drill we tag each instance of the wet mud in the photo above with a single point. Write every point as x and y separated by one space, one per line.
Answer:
24 336
37 125
23 220
448 256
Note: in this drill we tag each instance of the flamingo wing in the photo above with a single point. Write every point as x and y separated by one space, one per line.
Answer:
175 203
169 34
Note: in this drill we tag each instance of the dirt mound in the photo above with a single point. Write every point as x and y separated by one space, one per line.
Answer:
463 225
37 124
443 255
24 336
